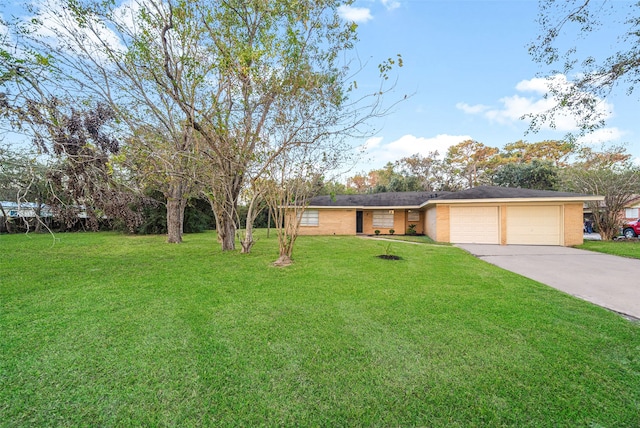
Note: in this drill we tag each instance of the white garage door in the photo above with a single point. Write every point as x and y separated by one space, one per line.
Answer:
534 225
474 225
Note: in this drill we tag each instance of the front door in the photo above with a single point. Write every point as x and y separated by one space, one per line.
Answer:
359 222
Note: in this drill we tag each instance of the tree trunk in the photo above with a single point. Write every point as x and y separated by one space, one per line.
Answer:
248 241
227 232
5 219
176 204
283 261
252 213
224 202
38 212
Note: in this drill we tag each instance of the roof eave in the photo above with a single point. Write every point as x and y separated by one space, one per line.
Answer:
511 200
365 207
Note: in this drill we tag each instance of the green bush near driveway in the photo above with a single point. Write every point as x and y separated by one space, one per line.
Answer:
111 330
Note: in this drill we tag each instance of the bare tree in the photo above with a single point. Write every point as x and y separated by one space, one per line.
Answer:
294 177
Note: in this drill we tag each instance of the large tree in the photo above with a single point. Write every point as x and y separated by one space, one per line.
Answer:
537 174
77 134
608 173
109 52
420 167
563 24
618 186
216 69
557 152
471 162
252 56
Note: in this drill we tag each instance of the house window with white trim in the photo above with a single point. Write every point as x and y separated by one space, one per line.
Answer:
310 218
632 212
383 218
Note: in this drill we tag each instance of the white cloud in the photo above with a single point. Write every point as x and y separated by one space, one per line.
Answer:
407 145
390 4
537 84
372 143
59 21
514 107
475 109
355 14
599 136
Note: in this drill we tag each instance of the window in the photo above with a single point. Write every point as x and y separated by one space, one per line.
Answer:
632 212
413 216
383 218
309 218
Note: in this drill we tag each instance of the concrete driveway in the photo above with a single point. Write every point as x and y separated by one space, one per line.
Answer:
609 281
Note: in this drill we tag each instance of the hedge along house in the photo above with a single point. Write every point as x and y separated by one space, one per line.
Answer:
481 215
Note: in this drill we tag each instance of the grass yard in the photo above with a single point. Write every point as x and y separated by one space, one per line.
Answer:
111 330
627 248
422 239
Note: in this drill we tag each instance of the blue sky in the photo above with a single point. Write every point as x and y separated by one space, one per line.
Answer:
467 66
468 75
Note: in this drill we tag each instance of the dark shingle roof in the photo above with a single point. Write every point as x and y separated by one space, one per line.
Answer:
496 192
388 199
417 199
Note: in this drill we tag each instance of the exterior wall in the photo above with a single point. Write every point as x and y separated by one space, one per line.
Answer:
635 205
343 222
419 223
430 223
399 223
570 216
434 222
332 222
442 223
573 225
503 224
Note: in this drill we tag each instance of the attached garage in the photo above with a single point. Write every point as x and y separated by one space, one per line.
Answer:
507 216
534 225
477 225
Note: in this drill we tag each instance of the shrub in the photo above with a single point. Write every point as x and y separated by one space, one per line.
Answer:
412 230
377 232
392 231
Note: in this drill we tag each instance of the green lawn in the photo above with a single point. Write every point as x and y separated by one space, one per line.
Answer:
627 248
111 330
423 239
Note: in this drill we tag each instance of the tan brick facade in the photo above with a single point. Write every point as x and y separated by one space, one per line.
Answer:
434 221
332 222
437 222
573 225
503 224
343 222
399 223
442 223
